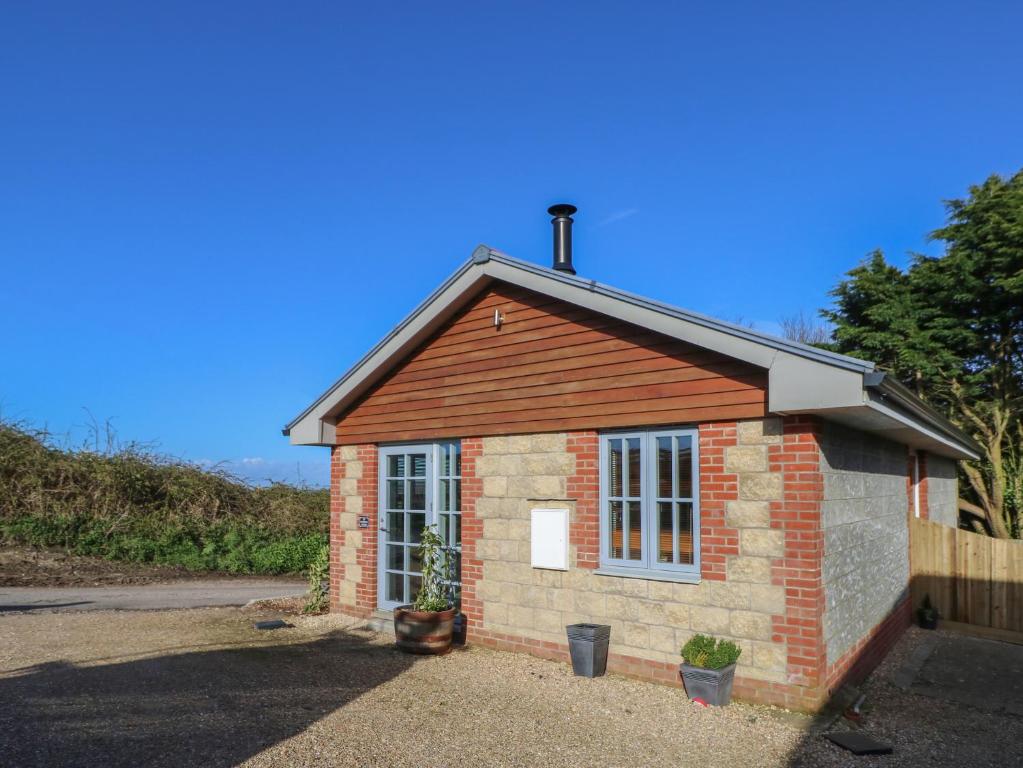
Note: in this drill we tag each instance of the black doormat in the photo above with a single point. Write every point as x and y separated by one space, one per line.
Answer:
859 743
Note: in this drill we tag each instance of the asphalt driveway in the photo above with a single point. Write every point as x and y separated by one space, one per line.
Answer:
170 595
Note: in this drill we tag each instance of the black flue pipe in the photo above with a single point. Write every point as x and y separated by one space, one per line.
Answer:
562 221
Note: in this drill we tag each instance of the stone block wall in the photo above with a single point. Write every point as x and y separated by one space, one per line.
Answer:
738 597
866 535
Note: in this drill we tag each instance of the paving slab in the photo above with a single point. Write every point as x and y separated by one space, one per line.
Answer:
985 674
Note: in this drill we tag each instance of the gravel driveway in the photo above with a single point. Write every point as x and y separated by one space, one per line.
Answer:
202 687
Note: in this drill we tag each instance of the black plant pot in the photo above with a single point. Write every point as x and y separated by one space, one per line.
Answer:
928 620
587 644
458 634
711 686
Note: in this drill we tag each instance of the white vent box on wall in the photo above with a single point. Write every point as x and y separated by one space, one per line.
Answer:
549 539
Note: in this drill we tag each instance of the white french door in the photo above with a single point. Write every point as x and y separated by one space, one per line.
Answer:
420 485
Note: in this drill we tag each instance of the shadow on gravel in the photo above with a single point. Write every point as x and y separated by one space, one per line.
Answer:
213 708
40 606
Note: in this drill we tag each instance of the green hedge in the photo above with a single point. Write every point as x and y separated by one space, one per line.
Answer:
133 504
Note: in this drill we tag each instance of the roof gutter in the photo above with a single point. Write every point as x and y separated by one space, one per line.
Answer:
898 395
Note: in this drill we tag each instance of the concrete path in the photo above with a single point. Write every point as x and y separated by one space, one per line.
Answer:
146 597
985 674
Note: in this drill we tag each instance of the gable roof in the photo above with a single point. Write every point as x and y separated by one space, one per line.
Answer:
801 378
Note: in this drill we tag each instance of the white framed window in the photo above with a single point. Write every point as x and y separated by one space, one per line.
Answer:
649 504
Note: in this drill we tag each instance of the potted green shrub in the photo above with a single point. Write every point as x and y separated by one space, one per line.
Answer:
427 625
708 669
927 614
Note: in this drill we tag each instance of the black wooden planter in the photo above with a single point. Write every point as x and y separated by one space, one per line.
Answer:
587 643
711 686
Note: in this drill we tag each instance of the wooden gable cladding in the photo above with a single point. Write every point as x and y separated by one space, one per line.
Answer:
551 366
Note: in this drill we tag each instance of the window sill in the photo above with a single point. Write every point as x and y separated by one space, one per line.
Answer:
629 573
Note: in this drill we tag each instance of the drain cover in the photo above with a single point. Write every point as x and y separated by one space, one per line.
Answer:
859 743
275 624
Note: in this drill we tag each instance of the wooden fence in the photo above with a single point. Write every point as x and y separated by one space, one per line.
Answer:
971 579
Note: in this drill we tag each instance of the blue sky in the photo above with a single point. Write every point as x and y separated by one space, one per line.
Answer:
208 211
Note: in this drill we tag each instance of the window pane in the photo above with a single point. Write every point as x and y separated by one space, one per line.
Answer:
685 467
664 490
685 533
635 530
457 451
456 525
456 567
665 531
395 587
615 530
444 526
614 467
396 494
395 466
635 459
456 496
414 582
395 526
417 465
445 460
396 558
416 522
417 494
443 495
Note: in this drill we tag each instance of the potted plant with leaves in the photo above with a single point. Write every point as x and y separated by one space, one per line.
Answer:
708 669
927 614
426 626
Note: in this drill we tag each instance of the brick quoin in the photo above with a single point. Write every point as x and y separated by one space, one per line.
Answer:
337 536
472 532
717 488
366 588
584 487
800 571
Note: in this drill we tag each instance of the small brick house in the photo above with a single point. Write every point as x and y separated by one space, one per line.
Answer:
676 474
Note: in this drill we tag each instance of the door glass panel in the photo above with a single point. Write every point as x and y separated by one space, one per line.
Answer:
395 587
635 531
456 525
396 558
414 582
665 530
396 494
415 559
616 526
396 466
417 521
395 526
444 527
417 494
417 462
444 496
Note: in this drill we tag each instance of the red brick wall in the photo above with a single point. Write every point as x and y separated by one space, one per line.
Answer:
366 556
472 530
717 488
584 487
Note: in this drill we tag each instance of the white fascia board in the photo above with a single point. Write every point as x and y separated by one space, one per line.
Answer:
316 425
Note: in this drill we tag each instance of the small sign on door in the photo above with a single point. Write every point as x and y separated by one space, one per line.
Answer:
363 521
